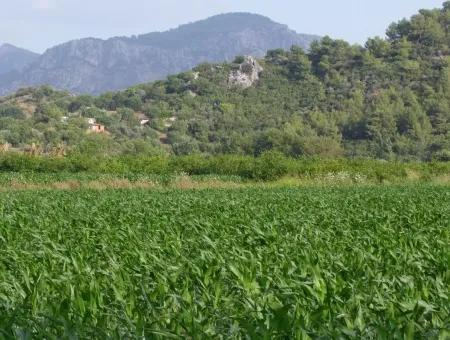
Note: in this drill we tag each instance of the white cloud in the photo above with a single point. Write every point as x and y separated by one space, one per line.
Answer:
42 5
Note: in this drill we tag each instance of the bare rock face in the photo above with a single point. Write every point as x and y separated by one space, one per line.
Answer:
247 74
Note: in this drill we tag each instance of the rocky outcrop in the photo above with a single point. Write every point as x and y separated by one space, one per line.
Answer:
246 74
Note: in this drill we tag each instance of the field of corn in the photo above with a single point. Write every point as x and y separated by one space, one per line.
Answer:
259 263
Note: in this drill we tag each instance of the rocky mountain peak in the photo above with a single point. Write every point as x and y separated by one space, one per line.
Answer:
13 59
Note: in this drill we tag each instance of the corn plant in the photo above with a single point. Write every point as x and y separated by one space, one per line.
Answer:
352 262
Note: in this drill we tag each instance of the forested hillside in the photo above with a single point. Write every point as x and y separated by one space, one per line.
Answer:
389 99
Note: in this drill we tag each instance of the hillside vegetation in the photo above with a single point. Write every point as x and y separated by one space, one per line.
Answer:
387 100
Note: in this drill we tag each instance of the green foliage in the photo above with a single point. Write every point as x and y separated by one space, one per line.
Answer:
387 100
11 111
269 166
80 102
239 60
355 262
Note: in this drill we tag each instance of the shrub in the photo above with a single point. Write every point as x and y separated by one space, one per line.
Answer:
270 166
11 111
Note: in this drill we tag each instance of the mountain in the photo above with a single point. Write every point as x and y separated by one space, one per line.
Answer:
387 100
13 58
94 66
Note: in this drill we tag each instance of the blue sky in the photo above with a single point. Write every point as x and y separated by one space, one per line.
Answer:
39 24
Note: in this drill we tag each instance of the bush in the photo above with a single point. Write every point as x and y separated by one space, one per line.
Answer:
239 59
11 111
270 166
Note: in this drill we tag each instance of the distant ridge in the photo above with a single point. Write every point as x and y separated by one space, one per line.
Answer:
94 66
13 58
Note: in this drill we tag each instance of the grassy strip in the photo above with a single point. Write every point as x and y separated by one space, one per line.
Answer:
268 167
78 181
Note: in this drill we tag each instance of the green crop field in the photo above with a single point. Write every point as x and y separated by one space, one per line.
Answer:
349 262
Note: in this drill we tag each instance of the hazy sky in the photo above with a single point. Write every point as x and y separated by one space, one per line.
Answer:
39 24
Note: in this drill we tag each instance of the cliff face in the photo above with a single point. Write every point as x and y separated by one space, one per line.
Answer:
95 66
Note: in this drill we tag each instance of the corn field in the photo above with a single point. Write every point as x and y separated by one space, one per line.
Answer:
297 263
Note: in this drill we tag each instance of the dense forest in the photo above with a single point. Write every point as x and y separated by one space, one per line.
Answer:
387 100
